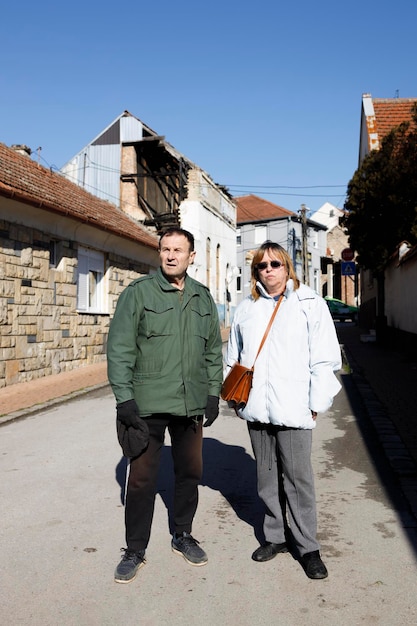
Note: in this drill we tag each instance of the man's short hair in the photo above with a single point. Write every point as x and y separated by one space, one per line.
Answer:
173 230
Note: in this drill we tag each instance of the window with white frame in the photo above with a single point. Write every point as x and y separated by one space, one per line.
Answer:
316 281
90 283
239 281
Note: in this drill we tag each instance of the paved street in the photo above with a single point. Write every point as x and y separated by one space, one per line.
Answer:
62 529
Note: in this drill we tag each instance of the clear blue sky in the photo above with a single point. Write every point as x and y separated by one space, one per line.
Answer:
264 96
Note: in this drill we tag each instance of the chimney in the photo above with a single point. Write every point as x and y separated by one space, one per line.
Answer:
21 149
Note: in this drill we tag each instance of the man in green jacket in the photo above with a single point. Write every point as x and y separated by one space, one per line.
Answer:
165 368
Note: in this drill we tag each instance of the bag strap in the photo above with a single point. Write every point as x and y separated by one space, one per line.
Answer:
268 328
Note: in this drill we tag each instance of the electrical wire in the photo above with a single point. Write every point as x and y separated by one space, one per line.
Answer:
234 189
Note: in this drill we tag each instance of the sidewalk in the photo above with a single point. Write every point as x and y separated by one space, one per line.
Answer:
24 399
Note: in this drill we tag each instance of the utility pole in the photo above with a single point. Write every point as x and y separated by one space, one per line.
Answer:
306 274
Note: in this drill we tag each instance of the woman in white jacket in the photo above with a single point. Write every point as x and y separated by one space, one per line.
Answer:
294 380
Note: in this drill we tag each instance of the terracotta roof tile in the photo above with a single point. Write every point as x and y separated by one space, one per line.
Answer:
23 179
254 209
391 112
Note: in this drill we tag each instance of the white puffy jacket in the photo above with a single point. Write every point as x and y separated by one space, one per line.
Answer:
295 371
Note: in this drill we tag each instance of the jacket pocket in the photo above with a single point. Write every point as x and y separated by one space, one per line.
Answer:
159 320
148 367
200 322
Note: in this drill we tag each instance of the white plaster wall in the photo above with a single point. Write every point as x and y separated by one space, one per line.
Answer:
203 223
401 296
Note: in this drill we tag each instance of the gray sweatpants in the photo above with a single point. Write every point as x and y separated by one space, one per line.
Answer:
286 483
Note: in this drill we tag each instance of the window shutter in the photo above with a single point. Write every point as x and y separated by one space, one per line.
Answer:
82 295
95 261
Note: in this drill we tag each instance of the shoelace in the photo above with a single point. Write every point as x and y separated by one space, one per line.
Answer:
131 555
187 540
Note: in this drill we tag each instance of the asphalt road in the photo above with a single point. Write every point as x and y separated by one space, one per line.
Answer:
62 529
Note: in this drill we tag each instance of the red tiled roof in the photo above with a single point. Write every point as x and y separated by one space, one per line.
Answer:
391 112
254 209
23 179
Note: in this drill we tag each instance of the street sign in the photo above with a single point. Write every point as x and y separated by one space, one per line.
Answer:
348 268
347 254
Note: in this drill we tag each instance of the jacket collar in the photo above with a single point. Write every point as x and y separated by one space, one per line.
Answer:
189 289
165 284
288 289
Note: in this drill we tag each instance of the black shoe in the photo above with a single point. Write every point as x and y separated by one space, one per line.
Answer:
188 547
128 567
313 565
268 551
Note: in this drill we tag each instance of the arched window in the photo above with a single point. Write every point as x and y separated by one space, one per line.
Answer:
218 273
208 262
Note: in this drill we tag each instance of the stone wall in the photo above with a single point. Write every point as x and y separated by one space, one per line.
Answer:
41 332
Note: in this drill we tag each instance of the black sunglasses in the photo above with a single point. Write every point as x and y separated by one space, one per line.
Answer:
263 265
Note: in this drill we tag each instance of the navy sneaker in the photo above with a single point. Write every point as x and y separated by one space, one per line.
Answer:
129 566
188 547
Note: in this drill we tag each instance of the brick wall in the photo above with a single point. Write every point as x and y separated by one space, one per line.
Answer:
343 287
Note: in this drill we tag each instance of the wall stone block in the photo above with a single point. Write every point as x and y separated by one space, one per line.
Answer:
41 332
7 342
7 354
11 371
27 257
3 312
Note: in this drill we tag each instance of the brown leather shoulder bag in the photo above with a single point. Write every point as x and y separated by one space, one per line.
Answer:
238 382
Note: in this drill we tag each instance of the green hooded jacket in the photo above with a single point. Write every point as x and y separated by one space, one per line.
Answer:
164 347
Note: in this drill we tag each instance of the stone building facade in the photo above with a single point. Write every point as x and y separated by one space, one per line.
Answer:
65 257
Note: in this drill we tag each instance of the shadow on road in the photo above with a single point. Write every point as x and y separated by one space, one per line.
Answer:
376 428
228 469
120 474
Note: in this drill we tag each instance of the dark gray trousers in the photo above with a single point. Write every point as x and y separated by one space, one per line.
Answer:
286 483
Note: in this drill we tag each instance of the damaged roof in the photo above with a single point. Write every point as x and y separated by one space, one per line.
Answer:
23 179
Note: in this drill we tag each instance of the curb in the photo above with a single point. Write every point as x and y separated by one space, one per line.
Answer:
38 408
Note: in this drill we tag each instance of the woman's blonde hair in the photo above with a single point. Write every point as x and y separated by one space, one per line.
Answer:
279 253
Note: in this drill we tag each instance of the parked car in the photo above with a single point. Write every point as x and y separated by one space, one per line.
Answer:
341 311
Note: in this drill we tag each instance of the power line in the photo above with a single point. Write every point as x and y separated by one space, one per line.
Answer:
242 189
103 168
301 195
285 186
233 188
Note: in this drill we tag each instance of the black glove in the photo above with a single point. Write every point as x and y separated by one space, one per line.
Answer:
212 410
132 431
128 413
